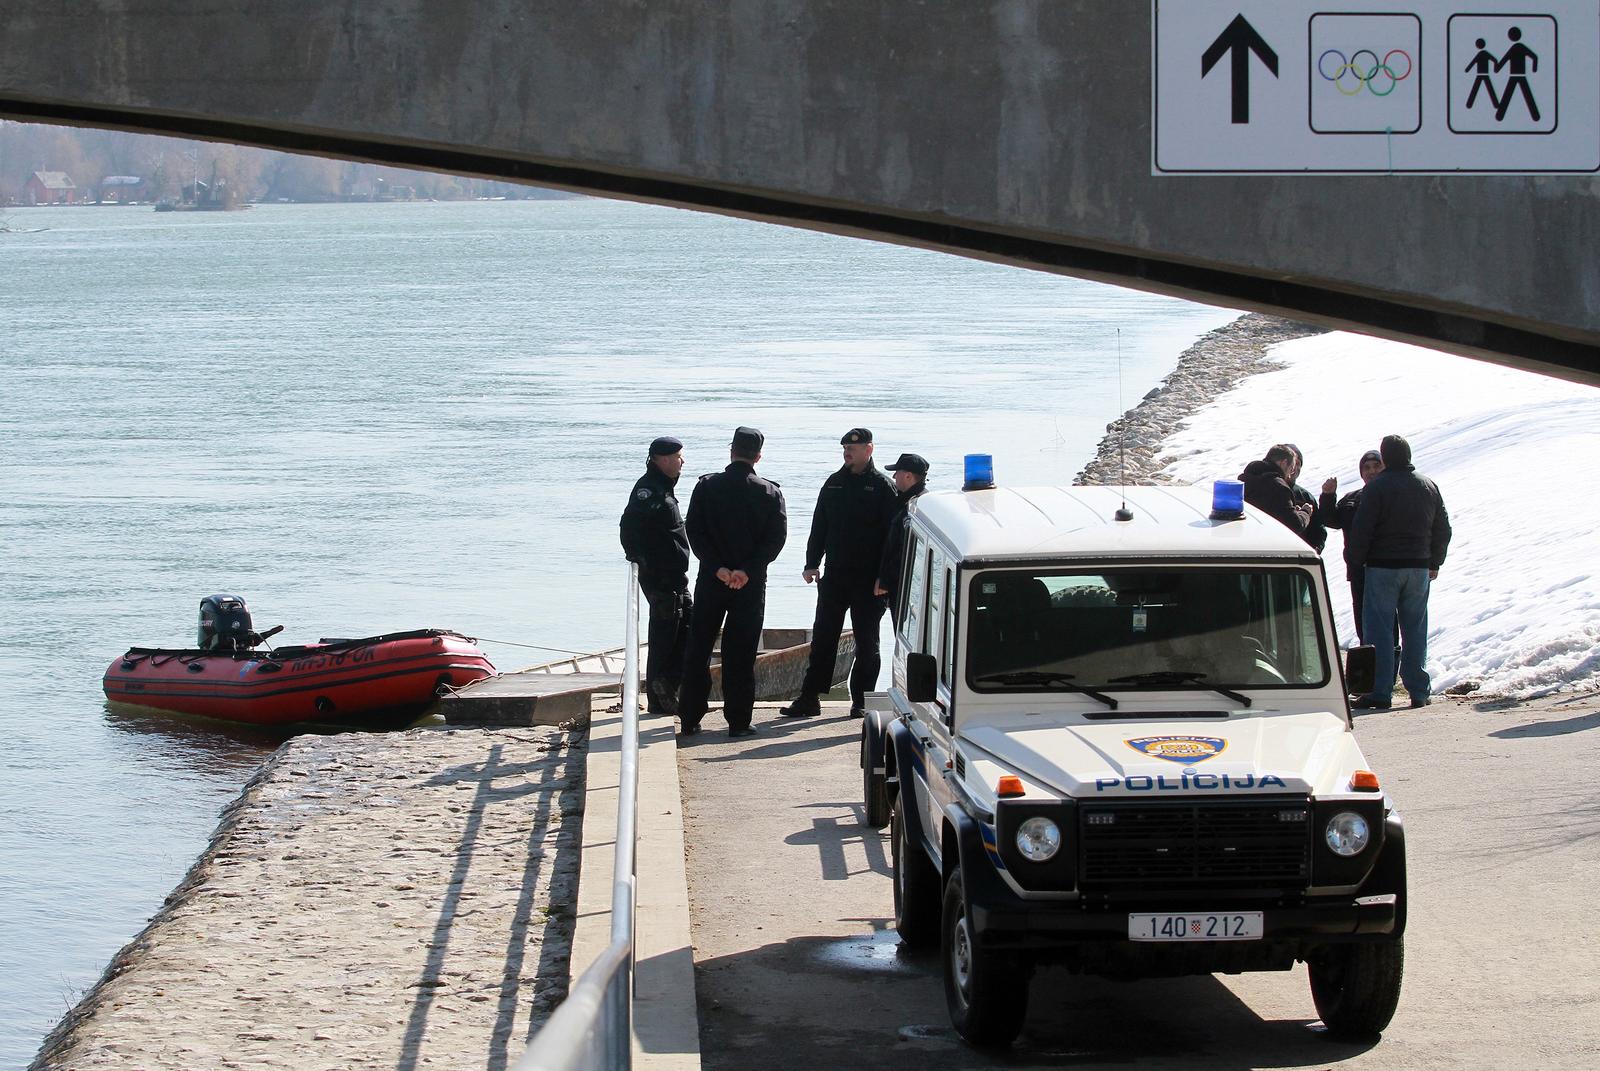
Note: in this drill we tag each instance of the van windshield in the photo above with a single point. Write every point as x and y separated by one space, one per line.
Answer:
1133 628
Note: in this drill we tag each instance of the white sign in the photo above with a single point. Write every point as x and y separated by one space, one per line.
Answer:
1391 86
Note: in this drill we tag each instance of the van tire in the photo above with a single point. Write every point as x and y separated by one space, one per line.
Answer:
874 786
986 991
1356 987
916 886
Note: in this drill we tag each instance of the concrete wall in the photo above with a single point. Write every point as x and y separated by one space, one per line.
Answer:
1014 130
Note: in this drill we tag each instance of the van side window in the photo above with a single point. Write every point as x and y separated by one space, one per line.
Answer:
915 594
947 652
936 601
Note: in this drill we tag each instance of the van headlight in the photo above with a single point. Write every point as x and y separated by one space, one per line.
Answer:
1038 839
1347 833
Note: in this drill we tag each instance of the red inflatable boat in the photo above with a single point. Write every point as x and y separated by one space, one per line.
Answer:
393 675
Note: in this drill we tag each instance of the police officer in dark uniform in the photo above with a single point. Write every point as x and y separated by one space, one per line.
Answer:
910 480
849 526
737 526
653 536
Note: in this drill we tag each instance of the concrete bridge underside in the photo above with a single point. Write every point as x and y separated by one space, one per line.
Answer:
1016 131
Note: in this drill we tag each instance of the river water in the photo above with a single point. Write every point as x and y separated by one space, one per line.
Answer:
368 418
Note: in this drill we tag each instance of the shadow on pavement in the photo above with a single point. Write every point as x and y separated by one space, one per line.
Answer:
1575 724
867 1002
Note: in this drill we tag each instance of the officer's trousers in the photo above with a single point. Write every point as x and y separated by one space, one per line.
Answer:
668 635
838 593
742 610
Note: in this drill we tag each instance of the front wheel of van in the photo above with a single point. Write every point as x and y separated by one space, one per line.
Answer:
916 885
986 991
1356 987
874 783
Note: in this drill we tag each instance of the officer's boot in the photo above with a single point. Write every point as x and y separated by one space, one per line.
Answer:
805 705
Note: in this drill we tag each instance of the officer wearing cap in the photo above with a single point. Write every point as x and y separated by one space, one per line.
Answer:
848 528
910 480
654 538
737 526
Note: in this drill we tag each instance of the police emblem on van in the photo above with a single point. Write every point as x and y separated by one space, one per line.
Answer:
1184 749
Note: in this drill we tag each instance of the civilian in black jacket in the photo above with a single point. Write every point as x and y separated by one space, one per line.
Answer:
737 525
1267 488
653 536
1315 533
1400 534
1341 514
848 529
910 480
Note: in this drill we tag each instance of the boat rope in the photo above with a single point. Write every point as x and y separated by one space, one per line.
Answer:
533 646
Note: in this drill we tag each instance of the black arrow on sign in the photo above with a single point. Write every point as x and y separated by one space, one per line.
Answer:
1240 39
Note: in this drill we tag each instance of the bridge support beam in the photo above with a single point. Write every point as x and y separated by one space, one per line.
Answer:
1015 131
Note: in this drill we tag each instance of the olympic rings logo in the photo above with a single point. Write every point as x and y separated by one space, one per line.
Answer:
1351 76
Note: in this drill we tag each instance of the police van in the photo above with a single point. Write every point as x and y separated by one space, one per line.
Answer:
1118 739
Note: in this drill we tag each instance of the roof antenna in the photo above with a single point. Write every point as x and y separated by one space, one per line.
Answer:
1124 513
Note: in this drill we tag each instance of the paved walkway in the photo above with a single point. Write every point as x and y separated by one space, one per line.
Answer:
796 968
392 901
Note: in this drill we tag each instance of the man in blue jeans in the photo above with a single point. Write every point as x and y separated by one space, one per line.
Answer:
1400 535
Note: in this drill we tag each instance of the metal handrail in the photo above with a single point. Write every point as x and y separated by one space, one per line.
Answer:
593 1027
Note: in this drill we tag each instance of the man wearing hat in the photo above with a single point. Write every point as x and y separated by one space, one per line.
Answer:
737 526
848 528
910 480
654 538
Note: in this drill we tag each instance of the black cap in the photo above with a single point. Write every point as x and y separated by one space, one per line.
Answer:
909 463
748 440
666 444
856 435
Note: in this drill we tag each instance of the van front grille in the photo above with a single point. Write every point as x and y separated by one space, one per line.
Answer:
1129 846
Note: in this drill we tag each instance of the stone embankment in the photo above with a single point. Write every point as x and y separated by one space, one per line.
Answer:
370 901
1130 453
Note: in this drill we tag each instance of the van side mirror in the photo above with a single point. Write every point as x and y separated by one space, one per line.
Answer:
922 677
1361 669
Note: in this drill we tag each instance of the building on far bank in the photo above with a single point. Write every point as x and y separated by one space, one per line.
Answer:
49 188
123 189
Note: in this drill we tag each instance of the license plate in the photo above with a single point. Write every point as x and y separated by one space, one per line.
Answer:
1206 926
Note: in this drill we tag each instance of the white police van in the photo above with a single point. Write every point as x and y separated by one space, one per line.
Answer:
1118 739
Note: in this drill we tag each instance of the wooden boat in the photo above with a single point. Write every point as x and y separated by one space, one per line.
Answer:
552 693
377 676
781 663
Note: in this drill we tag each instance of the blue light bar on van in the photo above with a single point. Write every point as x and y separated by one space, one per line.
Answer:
1227 500
979 472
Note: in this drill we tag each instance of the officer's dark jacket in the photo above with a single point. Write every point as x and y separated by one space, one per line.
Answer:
1267 490
1341 515
653 533
894 544
1401 523
737 521
851 521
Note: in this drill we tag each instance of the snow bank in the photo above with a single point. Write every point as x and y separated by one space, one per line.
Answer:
1517 606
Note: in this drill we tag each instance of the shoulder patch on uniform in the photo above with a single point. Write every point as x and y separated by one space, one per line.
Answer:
642 493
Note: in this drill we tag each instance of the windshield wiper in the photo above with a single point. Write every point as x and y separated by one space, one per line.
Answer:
1047 677
1168 676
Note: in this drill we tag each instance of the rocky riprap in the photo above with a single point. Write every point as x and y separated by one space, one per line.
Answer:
1130 453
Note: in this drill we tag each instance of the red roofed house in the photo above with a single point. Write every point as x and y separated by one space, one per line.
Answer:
49 188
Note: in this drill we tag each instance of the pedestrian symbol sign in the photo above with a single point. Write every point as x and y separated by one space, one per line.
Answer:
1388 86
1507 83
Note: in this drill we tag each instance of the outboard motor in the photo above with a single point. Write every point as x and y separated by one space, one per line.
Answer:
225 624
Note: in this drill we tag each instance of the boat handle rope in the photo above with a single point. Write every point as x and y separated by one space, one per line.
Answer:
534 646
